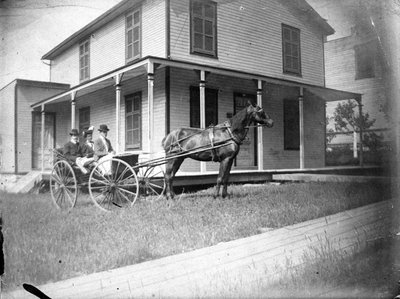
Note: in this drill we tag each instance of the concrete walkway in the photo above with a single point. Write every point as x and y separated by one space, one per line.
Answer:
309 177
202 272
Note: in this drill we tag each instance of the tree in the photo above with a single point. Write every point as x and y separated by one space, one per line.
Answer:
347 120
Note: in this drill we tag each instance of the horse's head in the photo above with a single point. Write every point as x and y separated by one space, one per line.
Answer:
259 116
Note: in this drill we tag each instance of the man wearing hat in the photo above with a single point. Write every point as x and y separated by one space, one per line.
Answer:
89 144
75 153
102 148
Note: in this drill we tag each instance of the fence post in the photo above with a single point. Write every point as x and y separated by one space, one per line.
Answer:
361 130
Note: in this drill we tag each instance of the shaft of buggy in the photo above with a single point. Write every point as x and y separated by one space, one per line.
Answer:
163 160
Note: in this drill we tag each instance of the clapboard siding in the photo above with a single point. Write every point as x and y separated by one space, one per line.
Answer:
341 71
26 95
102 111
249 39
63 122
7 128
154 28
107 45
275 157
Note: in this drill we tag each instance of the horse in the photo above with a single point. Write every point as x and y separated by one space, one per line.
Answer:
220 143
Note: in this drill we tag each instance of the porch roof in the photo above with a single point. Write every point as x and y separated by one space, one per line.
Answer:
140 68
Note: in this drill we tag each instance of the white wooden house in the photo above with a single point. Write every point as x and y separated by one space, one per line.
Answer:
20 127
146 67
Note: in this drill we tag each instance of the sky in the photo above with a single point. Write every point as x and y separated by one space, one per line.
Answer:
31 28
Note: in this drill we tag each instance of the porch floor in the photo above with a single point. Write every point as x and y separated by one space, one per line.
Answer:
183 179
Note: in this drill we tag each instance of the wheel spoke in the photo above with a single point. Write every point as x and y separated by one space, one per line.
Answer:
99 181
124 196
127 178
123 173
71 198
154 187
129 192
58 195
100 174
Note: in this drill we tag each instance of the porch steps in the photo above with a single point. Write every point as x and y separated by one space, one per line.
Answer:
204 272
26 183
310 177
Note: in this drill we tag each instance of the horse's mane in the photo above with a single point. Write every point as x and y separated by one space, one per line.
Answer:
238 121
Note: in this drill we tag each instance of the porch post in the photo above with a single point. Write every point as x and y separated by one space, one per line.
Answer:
202 86
43 114
360 113
150 96
301 126
260 148
118 79
73 105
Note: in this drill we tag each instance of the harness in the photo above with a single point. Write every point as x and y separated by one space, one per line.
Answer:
233 137
176 146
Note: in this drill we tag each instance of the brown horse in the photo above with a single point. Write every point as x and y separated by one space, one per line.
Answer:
219 144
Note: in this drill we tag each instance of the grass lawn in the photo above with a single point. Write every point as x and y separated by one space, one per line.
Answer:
44 244
374 272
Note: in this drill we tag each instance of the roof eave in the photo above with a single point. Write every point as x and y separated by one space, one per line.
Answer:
87 30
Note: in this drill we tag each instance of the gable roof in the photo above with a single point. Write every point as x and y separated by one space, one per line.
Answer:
308 14
301 7
87 30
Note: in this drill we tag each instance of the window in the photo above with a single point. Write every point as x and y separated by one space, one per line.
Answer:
203 16
211 107
291 50
133 104
84 119
291 124
133 35
364 60
84 67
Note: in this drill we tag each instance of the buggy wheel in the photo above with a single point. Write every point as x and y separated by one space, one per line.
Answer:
151 182
63 185
117 187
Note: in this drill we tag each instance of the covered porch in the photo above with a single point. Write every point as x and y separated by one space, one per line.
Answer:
153 77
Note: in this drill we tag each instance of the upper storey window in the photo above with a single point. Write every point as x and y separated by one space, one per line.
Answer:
133 35
291 50
365 61
203 17
84 54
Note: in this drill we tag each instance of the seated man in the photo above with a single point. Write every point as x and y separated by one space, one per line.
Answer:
89 144
103 150
74 152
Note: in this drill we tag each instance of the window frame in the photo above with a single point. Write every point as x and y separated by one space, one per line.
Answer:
194 107
287 70
287 141
131 97
202 51
85 67
139 40
363 54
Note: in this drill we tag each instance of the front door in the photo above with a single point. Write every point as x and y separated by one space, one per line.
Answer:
246 159
49 140
84 121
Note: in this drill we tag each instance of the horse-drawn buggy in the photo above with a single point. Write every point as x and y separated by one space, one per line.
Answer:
129 178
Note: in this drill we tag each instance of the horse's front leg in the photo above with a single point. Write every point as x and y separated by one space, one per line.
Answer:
225 177
224 166
170 170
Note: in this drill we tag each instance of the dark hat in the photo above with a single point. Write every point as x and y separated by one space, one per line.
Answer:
74 132
104 128
88 131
